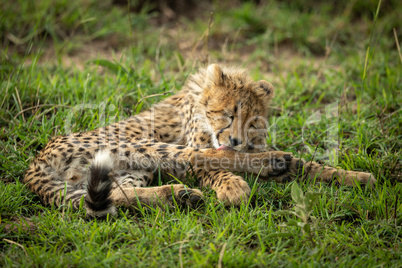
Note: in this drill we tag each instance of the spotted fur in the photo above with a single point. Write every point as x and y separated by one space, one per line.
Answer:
214 129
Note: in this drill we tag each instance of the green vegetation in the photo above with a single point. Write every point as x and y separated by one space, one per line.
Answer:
77 65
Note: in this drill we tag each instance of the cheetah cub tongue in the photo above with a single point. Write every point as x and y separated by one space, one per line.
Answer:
225 148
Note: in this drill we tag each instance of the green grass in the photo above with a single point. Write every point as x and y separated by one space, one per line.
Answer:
315 56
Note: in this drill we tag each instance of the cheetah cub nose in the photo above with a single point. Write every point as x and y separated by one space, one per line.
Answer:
234 141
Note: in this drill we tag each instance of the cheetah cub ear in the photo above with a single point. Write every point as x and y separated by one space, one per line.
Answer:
214 76
264 90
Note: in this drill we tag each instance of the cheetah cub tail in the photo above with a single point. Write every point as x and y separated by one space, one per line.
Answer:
98 201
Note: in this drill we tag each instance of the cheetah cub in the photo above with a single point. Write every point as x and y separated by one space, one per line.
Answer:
213 130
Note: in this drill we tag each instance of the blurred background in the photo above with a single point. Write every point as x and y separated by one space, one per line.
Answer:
74 31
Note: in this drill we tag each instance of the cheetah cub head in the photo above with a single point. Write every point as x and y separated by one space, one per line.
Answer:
236 108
